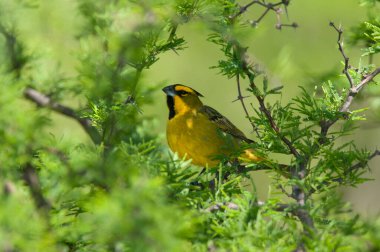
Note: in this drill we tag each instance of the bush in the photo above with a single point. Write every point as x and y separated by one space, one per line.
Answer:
116 189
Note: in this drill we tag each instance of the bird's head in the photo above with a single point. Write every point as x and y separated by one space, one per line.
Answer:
181 99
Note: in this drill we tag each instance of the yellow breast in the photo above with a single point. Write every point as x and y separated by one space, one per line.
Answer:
193 136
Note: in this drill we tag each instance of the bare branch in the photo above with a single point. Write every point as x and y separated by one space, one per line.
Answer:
255 22
346 59
279 24
244 9
268 7
44 101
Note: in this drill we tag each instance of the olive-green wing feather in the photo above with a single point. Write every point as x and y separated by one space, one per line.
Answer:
223 123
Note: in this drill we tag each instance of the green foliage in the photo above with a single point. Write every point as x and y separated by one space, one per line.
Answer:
374 35
369 2
369 33
118 190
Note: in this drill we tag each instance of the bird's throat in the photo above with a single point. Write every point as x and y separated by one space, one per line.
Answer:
170 102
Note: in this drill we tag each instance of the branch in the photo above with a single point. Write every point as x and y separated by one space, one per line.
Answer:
279 24
31 179
222 206
361 164
300 213
255 22
44 101
9 188
297 211
247 69
241 99
273 124
297 172
352 92
346 59
355 89
340 180
268 115
267 8
284 191
368 78
306 220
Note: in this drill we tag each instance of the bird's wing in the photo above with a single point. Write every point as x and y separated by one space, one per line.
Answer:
223 123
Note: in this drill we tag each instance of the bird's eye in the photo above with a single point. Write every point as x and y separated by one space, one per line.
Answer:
182 93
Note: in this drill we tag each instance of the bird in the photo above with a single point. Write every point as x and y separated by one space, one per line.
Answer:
198 132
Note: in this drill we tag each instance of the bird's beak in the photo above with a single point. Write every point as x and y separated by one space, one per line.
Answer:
169 91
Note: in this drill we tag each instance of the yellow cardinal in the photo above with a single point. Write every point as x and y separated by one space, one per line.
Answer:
199 132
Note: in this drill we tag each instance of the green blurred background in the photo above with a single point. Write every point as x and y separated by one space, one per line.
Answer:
291 57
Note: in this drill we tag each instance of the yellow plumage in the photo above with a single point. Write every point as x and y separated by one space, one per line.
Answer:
198 132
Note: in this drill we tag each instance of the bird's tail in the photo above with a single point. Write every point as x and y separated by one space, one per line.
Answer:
250 155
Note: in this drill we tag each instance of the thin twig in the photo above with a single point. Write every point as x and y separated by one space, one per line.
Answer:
255 22
361 164
268 115
346 59
268 7
244 9
274 126
44 101
279 24
241 99
284 191
340 180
